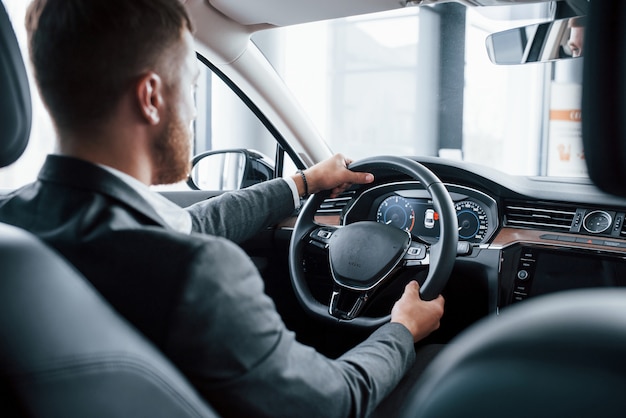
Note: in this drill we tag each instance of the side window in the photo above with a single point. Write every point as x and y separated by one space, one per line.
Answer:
232 147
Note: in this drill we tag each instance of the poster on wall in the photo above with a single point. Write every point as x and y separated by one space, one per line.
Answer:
566 157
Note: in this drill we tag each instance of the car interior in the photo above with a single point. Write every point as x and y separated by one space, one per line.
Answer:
533 269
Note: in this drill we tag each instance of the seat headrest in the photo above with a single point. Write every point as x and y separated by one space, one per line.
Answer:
15 103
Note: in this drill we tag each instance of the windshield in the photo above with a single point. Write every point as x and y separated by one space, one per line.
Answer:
419 82
416 81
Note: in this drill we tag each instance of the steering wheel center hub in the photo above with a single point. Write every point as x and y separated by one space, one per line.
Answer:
364 253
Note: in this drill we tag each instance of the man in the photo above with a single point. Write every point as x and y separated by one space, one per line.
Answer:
576 39
117 78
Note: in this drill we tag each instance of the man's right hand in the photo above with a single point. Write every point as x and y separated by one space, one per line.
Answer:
332 174
419 316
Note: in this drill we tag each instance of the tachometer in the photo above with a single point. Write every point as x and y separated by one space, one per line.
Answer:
472 219
396 211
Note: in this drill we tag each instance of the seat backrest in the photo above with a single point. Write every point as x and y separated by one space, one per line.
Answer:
64 352
560 355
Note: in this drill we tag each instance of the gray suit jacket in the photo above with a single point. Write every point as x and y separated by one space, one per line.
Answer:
199 297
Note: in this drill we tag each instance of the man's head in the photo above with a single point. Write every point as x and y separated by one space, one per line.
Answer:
90 54
577 35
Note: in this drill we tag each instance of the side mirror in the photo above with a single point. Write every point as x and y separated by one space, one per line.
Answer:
543 42
229 170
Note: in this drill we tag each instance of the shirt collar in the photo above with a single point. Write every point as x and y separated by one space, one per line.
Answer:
172 214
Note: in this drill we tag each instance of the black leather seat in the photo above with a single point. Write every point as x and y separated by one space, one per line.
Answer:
64 352
561 355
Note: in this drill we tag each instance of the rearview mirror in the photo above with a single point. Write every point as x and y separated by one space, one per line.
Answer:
229 170
543 42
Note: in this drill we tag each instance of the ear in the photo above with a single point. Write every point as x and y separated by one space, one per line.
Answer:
150 97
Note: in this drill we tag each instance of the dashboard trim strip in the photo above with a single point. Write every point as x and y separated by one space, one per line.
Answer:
507 237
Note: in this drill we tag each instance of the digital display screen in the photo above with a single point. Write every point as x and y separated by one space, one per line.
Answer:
426 219
419 217
558 271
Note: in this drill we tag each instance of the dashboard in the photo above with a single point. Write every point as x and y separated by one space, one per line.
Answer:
529 236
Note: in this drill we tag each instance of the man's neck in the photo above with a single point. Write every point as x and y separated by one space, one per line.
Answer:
113 150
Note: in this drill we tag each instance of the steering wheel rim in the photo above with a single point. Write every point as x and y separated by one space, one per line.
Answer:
442 254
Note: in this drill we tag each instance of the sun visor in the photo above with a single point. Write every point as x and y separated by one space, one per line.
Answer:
284 13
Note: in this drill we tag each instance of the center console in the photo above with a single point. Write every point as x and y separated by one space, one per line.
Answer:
537 270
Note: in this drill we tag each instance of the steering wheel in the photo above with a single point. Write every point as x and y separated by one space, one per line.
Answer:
363 255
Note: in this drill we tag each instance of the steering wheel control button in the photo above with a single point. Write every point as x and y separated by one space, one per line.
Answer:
413 251
320 237
324 234
415 255
416 252
318 244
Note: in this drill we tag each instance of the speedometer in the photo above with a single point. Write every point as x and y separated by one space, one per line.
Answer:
472 219
397 211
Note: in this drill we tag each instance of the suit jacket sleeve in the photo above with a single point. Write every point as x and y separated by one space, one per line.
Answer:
241 214
232 344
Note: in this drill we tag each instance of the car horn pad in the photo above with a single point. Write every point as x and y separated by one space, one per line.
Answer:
361 256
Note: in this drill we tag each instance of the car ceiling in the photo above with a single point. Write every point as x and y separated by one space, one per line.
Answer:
289 12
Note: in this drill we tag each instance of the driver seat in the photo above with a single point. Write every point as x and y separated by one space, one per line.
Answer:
64 352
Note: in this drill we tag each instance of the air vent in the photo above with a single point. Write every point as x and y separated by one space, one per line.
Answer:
543 216
334 206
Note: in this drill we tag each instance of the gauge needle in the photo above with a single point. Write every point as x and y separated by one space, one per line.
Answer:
388 222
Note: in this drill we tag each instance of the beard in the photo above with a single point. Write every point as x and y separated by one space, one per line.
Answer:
171 152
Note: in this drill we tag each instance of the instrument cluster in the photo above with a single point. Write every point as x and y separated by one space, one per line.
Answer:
408 206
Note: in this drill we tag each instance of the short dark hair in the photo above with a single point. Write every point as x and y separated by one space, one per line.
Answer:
85 53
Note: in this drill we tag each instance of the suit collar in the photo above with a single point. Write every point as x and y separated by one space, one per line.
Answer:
82 174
